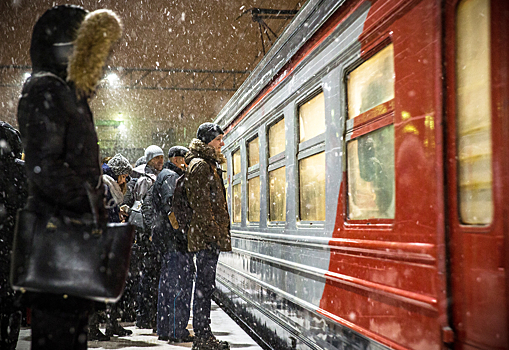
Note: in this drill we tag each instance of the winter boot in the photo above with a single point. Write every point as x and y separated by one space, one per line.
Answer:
114 328
210 343
96 334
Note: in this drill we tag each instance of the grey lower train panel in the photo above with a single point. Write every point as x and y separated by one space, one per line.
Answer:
282 322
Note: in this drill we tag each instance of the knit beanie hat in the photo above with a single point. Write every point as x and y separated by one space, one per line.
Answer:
177 151
208 132
153 151
120 165
140 161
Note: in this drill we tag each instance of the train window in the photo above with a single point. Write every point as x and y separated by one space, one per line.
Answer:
254 152
236 162
253 182
312 187
277 138
236 187
237 217
253 207
370 136
474 112
277 172
312 118
312 159
277 194
372 83
371 175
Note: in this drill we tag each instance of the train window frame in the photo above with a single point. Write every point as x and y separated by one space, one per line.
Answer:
473 226
226 183
236 181
307 149
253 172
371 120
275 162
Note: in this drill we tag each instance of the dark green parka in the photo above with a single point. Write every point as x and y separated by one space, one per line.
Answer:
207 197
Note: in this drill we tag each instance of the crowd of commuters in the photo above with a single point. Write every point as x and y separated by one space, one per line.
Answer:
166 262
63 176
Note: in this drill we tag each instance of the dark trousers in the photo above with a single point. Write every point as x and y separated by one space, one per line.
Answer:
174 296
128 304
147 288
59 323
206 264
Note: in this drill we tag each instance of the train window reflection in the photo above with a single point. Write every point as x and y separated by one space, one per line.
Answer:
236 162
237 203
371 175
277 194
474 112
253 205
372 83
277 138
312 187
312 118
253 152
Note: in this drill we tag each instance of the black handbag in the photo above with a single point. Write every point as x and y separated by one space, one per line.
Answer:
62 255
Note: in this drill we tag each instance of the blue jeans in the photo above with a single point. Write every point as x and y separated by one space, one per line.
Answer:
174 294
206 264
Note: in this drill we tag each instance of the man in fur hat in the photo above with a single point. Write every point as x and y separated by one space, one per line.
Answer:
68 50
209 230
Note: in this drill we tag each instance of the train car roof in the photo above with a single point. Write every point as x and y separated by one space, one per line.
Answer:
307 21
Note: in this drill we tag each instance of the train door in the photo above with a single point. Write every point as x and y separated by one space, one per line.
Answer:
476 34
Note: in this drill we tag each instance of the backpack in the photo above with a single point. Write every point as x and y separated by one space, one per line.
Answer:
181 208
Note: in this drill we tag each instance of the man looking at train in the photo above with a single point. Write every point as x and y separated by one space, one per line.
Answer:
209 229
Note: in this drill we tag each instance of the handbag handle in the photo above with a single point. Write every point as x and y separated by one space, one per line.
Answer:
93 199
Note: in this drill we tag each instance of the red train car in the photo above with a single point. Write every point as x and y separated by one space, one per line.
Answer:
382 220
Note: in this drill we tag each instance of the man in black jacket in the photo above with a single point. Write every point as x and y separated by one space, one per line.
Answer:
177 267
62 153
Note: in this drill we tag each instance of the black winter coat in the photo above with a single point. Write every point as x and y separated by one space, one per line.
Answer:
58 133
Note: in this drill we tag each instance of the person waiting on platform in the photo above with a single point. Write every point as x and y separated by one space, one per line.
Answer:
209 230
177 267
148 261
115 172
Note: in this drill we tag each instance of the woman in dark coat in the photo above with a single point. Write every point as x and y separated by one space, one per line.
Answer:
114 177
61 149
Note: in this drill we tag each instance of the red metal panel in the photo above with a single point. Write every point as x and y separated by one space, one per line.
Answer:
405 307
478 261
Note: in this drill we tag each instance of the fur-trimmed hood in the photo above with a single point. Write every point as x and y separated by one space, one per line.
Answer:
198 149
74 44
96 34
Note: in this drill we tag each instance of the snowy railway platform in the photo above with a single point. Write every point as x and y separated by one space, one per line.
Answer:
223 327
